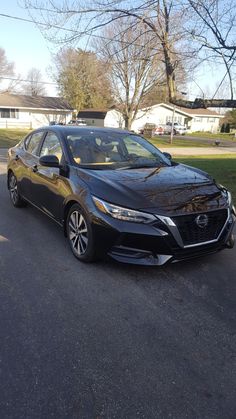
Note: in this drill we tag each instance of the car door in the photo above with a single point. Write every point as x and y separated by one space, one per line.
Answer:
49 186
26 159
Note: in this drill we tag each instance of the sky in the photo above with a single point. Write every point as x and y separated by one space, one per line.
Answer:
24 44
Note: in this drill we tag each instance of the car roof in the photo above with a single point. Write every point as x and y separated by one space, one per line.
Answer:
68 129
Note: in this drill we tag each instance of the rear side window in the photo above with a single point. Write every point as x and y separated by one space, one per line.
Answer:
26 141
33 144
51 145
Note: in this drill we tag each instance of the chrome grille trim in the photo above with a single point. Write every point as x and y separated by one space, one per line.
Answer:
211 241
169 222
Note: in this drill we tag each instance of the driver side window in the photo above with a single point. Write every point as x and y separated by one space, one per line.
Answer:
51 145
32 143
134 148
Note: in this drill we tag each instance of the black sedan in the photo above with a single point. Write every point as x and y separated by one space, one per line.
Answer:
115 193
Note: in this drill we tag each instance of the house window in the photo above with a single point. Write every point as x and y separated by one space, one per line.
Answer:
177 119
198 119
9 113
211 120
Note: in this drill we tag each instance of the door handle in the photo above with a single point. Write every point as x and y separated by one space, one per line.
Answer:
34 168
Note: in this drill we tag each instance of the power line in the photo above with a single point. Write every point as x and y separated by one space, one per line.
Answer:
50 26
88 33
33 21
27 81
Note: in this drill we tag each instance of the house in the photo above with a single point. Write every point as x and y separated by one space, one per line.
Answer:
21 111
194 119
102 117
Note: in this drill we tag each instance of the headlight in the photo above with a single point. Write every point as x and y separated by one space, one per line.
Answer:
230 202
121 213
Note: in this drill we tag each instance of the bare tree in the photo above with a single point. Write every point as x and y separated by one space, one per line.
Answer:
6 67
6 71
160 18
134 70
34 85
214 25
211 27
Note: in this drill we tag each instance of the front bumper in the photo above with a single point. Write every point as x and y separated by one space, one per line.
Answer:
154 244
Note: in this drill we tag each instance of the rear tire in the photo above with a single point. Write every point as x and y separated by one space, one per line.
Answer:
15 197
80 235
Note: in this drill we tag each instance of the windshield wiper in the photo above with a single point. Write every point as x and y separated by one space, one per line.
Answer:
141 166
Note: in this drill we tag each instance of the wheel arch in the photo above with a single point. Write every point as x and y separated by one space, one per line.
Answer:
9 171
67 208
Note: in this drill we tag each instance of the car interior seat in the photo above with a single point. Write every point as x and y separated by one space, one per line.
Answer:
84 150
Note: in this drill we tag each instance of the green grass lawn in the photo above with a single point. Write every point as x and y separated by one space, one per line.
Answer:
219 135
10 137
191 142
177 142
221 167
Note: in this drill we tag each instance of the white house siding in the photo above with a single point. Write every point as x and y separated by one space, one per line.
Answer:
158 115
39 119
29 118
114 119
205 123
22 121
97 122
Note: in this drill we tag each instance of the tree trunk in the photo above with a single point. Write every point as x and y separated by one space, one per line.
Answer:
128 122
170 78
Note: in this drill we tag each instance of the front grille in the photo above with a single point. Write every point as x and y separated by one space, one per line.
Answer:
191 233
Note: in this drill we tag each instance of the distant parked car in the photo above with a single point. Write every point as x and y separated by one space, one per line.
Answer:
151 130
79 122
167 129
56 123
177 129
159 130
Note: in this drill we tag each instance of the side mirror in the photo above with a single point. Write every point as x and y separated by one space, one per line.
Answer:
49 161
167 155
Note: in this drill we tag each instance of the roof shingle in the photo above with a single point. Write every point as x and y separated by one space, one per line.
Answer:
35 102
198 111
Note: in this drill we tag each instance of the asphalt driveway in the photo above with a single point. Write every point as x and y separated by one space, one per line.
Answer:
107 340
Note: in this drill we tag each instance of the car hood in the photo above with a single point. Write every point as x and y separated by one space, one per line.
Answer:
175 189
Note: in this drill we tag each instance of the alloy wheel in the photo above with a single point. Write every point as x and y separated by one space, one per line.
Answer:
13 189
78 232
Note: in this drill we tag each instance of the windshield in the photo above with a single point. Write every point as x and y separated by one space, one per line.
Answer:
113 150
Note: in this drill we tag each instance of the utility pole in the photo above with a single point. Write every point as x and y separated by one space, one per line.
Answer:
172 125
173 120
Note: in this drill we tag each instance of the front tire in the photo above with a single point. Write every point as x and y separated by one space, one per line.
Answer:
80 234
15 197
